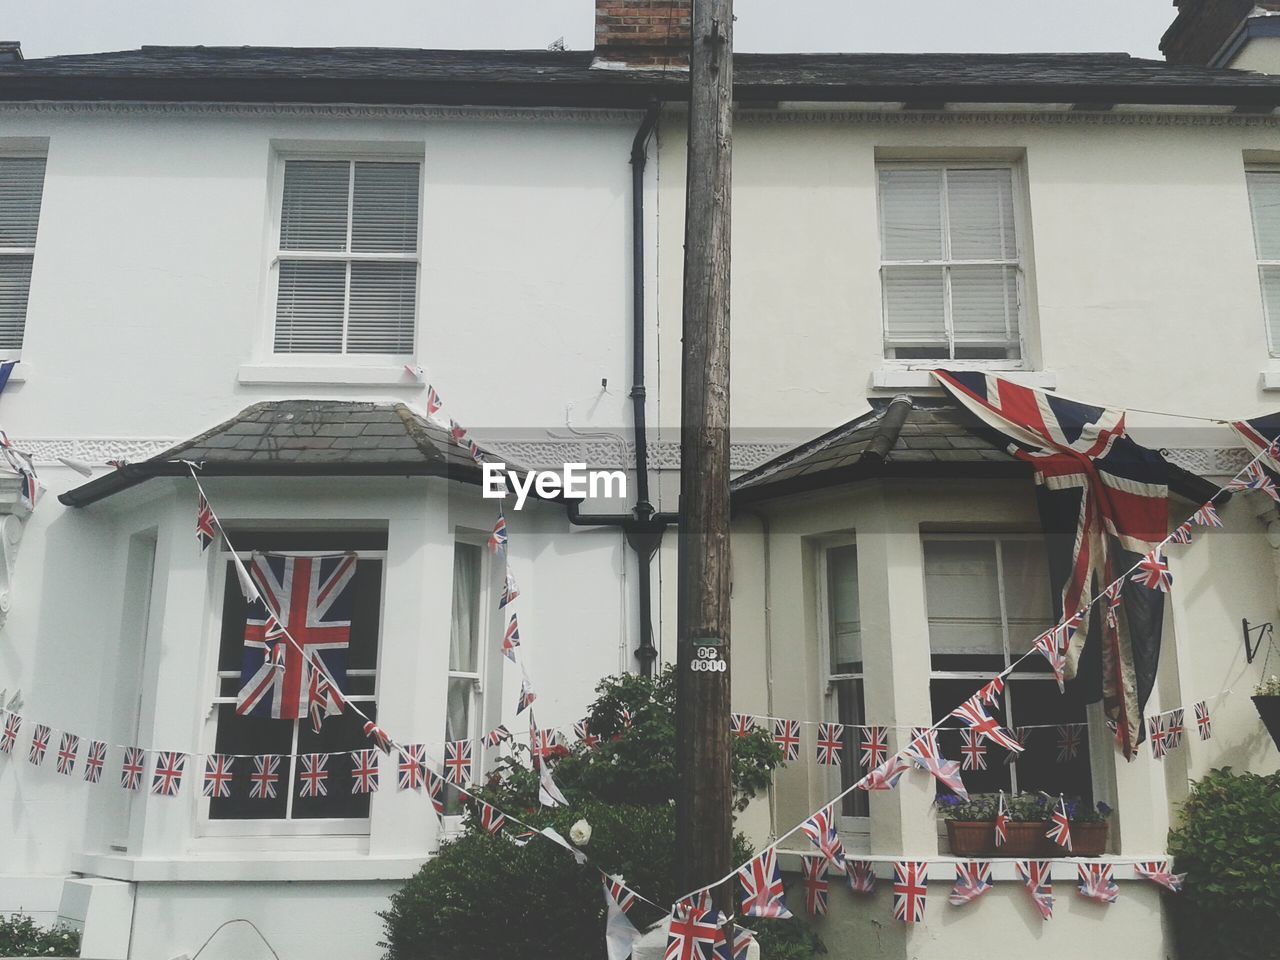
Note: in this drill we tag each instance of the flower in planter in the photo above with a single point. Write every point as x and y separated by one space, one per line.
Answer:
580 833
1268 687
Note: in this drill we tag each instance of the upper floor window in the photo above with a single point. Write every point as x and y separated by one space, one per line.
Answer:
347 258
846 704
466 712
21 187
950 261
1264 203
987 599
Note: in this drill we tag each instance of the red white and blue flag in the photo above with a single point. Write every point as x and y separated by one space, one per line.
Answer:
762 890
1256 477
457 762
94 760
39 744
992 693
1068 742
582 730
206 532
511 639
1174 729
873 747
498 538
693 934
378 736
314 775
217 775
435 791
1157 871
68 750
887 775
132 768
786 734
527 696
1204 723
265 777
813 870
830 743
1153 572
166 780
491 818
23 465
323 698
910 888
9 736
1158 741
822 833
980 722
1001 822
862 876
924 750
509 591
743 724
1181 534
973 752
541 744
412 767
497 735
364 771
1060 826
433 401
1036 878
1207 516
1097 882
1104 501
311 598
1055 646
973 879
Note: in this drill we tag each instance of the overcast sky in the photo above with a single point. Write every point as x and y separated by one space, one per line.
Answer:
48 27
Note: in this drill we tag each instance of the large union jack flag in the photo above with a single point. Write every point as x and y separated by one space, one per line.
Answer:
910 888
311 599
94 760
817 889
1104 503
762 888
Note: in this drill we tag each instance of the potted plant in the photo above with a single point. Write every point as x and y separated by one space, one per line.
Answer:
1088 828
1266 697
969 823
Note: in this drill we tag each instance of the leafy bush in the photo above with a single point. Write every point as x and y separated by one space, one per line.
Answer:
1228 844
22 937
483 896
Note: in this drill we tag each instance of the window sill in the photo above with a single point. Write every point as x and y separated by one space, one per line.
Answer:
273 867
942 866
1269 379
906 378
320 374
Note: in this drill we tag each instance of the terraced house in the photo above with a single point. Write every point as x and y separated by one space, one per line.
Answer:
255 259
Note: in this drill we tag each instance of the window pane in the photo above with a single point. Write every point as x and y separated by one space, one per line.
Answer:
21 187
313 213
457 723
366 616
846 621
984 305
914 305
910 214
309 307
1264 201
850 710
383 306
384 213
980 214
1270 301
338 736
1027 592
1037 702
15 285
250 735
464 632
946 695
962 595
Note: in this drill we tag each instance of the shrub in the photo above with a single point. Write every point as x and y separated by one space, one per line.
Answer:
482 896
1228 844
22 937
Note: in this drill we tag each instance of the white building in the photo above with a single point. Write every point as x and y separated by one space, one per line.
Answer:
263 239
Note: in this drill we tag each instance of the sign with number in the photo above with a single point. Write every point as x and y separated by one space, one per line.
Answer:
706 656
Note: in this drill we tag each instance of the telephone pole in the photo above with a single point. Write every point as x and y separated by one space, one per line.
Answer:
704 818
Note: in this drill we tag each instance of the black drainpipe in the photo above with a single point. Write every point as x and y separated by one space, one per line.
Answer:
643 527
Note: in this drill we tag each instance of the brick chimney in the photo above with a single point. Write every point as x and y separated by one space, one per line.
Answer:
10 51
643 34
1216 33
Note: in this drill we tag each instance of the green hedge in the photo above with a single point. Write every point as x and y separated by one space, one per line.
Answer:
22 937
1228 844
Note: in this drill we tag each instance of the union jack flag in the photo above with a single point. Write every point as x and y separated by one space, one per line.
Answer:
265 776
498 538
762 888
167 779
1174 729
457 432
1097 882
491 818
693 934
874 747
314 775
699 902
1060 826
509 591
924 750
364 771
433 401
993 692
310 598
1157 871
1153 572
862 876
1054 645
1255 477
457 762
830 743
413 766
435 792
133 767
497 735
94 759
973 879
910 887
378 736
1115 599
786 734
582 730
511 639
217 775
1155 725
887 775
1181 534
22 464
541 744
742 940
527 696
1203 723
744 724
1068 742
39 744
12 725
1207 516
206 533
476 453
323 698
622 895
1035 875
816 887
971 713
821 831
973 752
68 750
1002 822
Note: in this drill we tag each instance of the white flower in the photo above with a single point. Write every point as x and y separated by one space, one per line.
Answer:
580 833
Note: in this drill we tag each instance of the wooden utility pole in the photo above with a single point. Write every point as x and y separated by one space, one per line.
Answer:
704 818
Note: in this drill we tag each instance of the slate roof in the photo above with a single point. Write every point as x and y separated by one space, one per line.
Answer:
566 78
303 438
904 438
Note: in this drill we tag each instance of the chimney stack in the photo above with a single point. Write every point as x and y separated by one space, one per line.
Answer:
642 34
1225 33
10 51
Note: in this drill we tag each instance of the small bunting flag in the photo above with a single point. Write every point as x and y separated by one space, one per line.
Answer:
743 724
206 532
1207 516
1204 723
786 734
1035 875
491 818
378 736
973 879
1153 572
364 771
1060 826
973 752
167 779
813 871
132 768
217 776
874 747
862 877
39 744
762 890
265 778
1097 882
314 775
511 639
830 743
822 833
412 768
9 737
1068 742
457 762
94 761
68 751
887 775
1157 871
910 887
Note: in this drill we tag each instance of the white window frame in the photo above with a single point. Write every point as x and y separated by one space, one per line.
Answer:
287 827
1097 777
1273 348
15 353
1020 221
281 157
858 828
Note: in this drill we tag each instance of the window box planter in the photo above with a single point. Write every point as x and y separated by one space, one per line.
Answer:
1268 707
1087 839
971 838
1027 839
